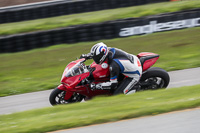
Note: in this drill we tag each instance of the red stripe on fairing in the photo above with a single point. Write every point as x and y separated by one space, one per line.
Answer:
138 62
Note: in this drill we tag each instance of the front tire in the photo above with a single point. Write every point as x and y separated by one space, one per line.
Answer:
154 78
57 97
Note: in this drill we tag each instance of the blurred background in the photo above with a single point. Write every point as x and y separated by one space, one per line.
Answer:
38 38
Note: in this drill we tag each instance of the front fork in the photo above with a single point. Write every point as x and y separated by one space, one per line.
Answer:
68 93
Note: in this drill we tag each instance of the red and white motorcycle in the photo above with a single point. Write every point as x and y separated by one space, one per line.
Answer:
77 77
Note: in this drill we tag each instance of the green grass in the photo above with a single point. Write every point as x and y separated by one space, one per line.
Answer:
98 16
100 110
41 69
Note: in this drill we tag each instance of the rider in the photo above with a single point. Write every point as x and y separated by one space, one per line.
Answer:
119 62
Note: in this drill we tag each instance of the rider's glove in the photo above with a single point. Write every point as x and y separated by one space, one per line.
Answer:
86 56
94 86
83 56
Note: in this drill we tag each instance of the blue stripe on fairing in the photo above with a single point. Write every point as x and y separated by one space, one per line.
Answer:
113 50
113 77
133 72
120 64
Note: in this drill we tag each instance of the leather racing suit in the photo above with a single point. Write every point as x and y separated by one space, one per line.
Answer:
120 62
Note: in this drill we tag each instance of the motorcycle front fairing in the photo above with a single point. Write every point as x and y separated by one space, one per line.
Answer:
72 76
74 73
99 73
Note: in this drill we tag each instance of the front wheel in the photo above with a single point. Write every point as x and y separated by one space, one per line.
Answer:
154 78
57 97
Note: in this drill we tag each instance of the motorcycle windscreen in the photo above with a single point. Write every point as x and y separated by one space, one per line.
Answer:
76 70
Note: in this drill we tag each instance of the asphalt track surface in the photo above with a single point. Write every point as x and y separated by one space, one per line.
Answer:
22 102
186 121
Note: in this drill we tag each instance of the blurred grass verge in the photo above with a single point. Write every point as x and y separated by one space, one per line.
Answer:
41 69
101 110
95 17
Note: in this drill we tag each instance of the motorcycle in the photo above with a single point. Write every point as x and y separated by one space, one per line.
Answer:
77 77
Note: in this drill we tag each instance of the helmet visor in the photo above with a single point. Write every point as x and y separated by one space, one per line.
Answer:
97 58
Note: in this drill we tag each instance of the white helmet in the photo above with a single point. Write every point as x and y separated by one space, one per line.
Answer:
99 52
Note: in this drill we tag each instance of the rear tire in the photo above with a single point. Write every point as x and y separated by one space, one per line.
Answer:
154 78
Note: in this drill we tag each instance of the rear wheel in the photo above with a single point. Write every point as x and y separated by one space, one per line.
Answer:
57 97
154 78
